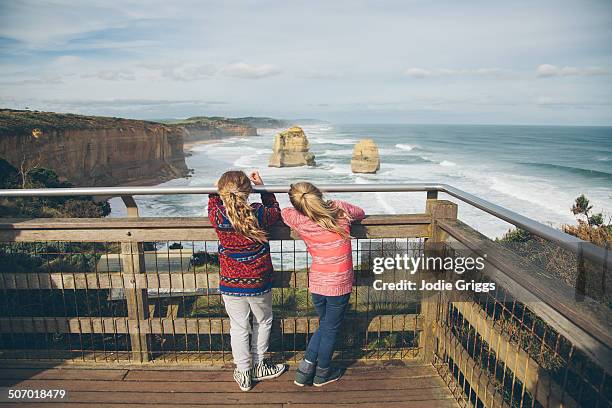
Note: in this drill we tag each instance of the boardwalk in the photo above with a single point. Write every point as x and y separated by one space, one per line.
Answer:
397 385
96 292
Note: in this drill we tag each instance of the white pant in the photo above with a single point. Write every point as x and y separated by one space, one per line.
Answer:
238 309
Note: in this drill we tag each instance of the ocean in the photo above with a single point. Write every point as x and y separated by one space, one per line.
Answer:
536 171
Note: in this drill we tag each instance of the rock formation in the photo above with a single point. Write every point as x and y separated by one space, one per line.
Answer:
93 151
365 157
291 149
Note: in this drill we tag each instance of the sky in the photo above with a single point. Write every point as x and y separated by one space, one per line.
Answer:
405 61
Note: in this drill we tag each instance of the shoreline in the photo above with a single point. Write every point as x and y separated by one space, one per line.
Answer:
189 146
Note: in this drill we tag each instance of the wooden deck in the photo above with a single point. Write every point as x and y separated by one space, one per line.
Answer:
374 385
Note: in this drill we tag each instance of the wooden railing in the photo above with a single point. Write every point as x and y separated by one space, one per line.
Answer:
528 343
150 311
532 342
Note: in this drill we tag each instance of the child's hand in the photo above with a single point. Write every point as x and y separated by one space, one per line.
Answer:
256 178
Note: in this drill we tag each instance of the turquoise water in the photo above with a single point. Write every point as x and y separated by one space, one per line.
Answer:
534 170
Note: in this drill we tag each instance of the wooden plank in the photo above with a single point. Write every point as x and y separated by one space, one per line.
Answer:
151 280
170 222
158 395
395 323
586 324
137 302
62 374
430 302
438 403
182 359
284 383
432 403
169 403
373 372
535 379
479 379
185 229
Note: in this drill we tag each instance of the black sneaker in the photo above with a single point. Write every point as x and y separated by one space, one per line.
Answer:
265 371
324 377
243 378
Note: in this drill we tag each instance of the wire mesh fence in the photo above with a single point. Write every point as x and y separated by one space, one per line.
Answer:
71 300
497 350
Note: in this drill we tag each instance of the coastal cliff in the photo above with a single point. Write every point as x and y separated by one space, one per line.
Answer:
201 128
291 149
93 151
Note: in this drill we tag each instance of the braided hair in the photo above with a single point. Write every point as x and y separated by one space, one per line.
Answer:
234 189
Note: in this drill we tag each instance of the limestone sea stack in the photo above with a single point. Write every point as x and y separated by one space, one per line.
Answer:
291 149
365 157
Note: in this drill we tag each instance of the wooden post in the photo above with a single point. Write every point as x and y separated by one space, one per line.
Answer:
432 194
132 258
434 247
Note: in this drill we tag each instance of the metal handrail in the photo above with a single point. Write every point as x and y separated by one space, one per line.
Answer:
579 247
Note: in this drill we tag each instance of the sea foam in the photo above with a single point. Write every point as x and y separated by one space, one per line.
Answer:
406 147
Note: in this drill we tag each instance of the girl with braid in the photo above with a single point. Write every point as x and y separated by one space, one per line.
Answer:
246 271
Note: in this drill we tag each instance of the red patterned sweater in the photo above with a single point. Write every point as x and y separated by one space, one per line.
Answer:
246 266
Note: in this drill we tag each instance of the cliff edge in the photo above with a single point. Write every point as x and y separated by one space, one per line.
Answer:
200 128
92 150
291 149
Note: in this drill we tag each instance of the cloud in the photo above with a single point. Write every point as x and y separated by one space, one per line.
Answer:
314 74
180 71
189 72
115 75
126 102
67 60
250 71
106 105
418 72
548 71
42 80
422 73
549 101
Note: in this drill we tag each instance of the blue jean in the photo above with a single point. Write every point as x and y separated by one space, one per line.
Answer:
331 311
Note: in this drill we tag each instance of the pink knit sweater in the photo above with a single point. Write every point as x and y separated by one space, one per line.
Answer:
331 271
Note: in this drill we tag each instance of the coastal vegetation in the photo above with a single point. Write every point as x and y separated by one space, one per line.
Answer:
561 263
47 256
257 122
38 123
44 207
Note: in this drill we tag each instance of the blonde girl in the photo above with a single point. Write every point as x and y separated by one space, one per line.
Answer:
324 225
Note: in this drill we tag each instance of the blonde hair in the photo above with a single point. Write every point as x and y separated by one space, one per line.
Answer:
234 188
308 199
